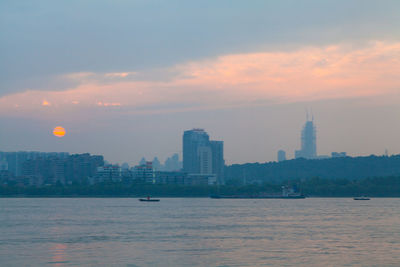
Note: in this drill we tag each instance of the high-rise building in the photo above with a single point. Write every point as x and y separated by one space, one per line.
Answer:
192 141
281 155
202 156
218 162
308 142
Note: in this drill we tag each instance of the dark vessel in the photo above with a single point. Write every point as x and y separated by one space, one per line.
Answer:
286 194
361 198
259 196
148 199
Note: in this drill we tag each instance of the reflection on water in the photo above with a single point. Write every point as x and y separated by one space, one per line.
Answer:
199 232
58 254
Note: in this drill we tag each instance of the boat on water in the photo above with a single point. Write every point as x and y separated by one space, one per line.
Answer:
148 199
259 196
361 198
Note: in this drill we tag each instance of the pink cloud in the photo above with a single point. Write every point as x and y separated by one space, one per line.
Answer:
308 74
119 74
105 104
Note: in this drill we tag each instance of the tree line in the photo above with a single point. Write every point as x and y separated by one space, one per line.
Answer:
349 168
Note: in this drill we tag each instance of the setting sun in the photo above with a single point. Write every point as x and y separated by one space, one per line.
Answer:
59 131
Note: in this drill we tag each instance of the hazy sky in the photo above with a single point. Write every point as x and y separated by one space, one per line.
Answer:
126 78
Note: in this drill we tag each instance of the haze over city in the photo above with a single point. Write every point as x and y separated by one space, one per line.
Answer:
125 80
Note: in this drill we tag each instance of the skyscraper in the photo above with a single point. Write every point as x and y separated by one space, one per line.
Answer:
202 156
192 141
308 141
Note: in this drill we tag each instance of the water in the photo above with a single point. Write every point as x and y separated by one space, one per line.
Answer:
199 232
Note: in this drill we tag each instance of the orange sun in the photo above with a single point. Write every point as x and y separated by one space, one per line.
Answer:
59 131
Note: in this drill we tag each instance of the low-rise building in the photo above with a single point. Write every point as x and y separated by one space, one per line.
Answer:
144 173
177 178
109 173
201 179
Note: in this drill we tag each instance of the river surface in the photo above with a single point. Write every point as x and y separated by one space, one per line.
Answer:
199 232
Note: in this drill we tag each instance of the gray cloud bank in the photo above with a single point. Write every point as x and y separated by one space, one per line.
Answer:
43 39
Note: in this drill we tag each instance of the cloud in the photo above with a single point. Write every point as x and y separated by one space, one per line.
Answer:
43 39
105 104
119 74
234 80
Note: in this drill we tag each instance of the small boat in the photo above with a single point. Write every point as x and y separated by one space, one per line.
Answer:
287 193
361 198
148 199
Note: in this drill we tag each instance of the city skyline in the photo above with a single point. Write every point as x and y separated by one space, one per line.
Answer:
125 86
308 149
197 143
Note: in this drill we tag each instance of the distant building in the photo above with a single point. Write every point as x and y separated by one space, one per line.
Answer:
15 160
5 176
192 141
281 155
143 161
3 165
164 177
156 164
338 154
82 166
201 179
202 156
125 166
308 142
109 173
50 170
144 173
218 162
172 163
44 171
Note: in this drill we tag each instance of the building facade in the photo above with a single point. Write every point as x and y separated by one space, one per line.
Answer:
144 173
193 140
109 173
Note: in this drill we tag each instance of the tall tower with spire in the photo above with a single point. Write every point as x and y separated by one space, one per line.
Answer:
308 141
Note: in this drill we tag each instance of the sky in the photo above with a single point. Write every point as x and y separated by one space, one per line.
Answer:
126 78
